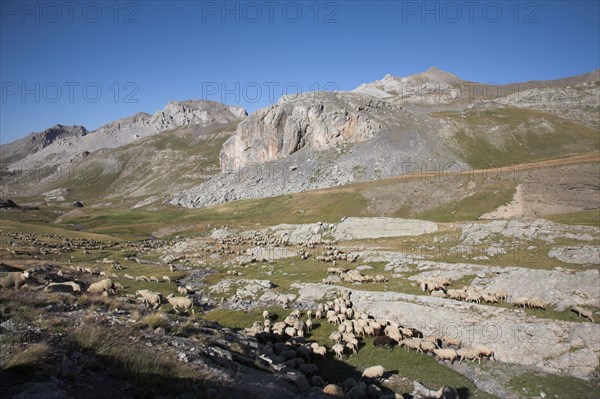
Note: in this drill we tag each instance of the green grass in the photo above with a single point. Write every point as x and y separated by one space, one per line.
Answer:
510 135
531 385
473 206
326 206
588 218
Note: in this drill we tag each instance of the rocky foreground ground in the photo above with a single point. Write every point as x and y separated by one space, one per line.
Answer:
68 344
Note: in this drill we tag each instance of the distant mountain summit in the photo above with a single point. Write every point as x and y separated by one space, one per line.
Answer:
423 87
37 141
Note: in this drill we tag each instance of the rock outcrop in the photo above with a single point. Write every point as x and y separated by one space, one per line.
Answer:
317 120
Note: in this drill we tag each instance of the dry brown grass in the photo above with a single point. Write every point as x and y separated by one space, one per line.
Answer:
29 359
154 320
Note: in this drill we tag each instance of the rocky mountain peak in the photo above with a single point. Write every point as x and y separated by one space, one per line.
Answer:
46 137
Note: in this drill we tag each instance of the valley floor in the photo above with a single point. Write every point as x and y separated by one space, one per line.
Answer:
234 271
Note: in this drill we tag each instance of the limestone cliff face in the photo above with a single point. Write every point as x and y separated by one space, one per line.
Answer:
315 120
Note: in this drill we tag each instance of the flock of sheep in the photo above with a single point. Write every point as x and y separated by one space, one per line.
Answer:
353 276
284 343
437 287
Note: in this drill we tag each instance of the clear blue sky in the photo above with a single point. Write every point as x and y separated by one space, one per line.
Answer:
178 50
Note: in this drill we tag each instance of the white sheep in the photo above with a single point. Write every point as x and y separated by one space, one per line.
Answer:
320 350
333 390
154 279
265 314
446 354
373 373
469 354
14 279
309 325
181 302
411 343
485 351
182 290
101 286
151 298
582 312
166 279
338 349
521 302
537 303
452 341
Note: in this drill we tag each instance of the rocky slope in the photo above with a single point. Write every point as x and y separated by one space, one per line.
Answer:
66 147
430 121
37 141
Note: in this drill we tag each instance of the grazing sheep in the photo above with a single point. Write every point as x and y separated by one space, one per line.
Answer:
411 343
14 279
181 302
428 346
446 354
320 350
266 314
521 302
469 354
489 298
103 274
349 383
359 391
182 290
485 352
101 286
452 341
150 298
333 390
537 303
309 325
338 349
154 279
373 373
127 276
373 391
119 286
384 340
352 347
316 381
166 279
582 312
308 369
